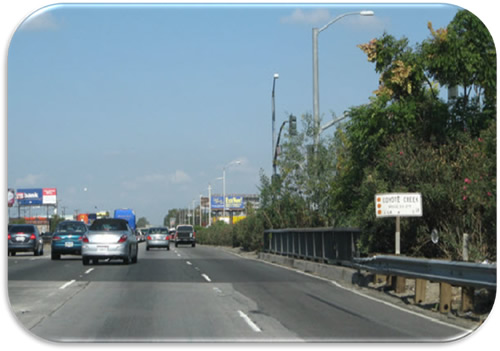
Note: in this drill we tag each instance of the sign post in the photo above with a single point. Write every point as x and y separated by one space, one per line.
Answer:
398 205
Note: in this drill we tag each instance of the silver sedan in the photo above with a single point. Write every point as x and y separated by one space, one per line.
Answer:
158 237
109 238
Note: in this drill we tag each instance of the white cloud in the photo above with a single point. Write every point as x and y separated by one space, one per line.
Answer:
157 179
29 180
40 20
179 177
307 17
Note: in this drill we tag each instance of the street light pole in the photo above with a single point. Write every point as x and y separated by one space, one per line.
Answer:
316 32
209 205
224 186
276 76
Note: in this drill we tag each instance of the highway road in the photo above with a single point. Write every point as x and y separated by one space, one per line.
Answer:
199 294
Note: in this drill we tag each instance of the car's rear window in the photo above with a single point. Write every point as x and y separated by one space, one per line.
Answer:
158 231
109 225
22 229
185 228
71 227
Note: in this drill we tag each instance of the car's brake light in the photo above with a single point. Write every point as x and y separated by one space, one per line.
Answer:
55 238
167 237
149 237
85 239
32 237
194 234
9 237
123 238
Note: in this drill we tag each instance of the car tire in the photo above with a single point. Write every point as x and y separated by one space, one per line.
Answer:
126 260
176 245
193 245
168 248
55 256
85 261
147 248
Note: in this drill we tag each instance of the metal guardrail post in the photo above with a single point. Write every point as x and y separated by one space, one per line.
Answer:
281 243
323 246
307 250
314 245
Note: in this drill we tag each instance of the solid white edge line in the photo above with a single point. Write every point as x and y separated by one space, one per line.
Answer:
67 284
89 270
252 325
466 330
403 309
206 277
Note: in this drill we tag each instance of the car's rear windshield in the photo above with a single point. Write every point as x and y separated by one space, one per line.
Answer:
108 225
22 229
184 228
158 231
71 227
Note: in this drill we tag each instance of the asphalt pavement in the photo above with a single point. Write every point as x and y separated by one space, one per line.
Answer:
200 294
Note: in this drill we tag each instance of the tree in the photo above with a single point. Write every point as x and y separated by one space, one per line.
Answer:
142 222
408 139
172 213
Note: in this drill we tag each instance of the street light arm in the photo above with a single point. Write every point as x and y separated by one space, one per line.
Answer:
331 123
361 13
336 19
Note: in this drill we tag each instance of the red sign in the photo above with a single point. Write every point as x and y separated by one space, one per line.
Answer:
49 191
49 196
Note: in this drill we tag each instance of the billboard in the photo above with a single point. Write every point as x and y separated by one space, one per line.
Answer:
29 196
11 197
49 196
36 196
232 203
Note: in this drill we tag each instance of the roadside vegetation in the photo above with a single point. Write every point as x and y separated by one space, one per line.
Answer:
411 137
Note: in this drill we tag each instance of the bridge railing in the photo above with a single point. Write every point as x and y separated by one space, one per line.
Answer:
327 245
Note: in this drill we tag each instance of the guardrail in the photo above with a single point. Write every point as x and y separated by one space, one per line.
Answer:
476 275
328 244
338 246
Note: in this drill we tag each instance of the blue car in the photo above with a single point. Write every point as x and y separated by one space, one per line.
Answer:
67 239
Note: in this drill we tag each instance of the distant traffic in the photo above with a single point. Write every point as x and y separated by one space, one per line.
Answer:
104 239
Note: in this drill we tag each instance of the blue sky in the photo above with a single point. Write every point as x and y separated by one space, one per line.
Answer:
143 105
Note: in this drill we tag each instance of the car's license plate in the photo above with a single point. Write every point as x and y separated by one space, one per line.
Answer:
19 238
68 244
102 248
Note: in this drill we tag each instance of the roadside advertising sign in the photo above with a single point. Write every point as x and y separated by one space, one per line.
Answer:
217 203
235 202
11 197
232 202
398 205
49 196
29 197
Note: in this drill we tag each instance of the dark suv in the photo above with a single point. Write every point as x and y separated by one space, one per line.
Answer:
24 237
185 234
